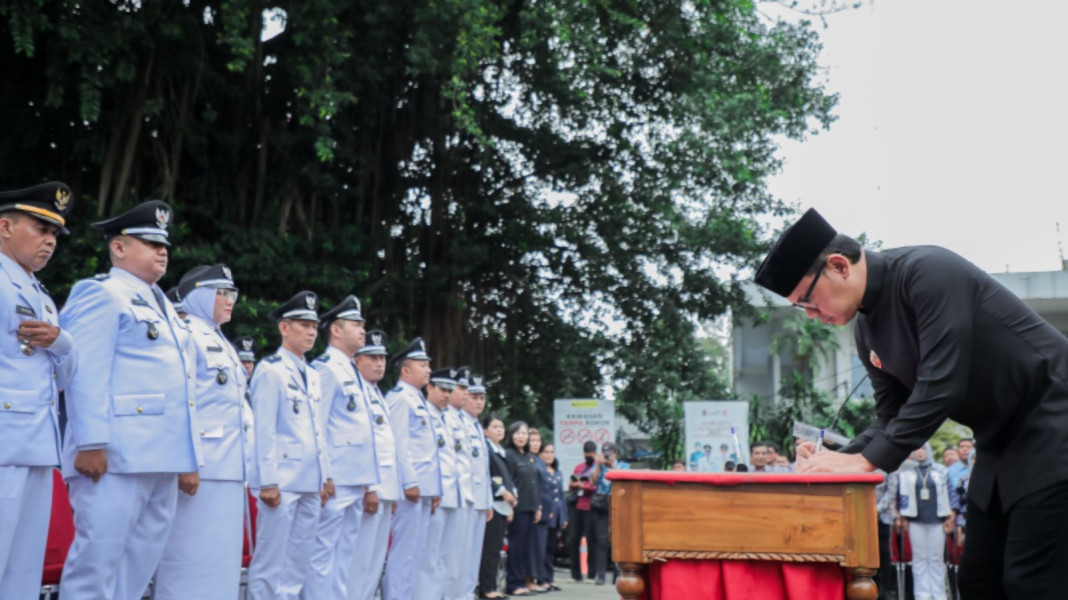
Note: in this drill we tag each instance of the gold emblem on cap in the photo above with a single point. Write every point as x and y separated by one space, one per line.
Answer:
62 199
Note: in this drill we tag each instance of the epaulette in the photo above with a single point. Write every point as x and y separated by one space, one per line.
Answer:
396 389
102 276
324 358
273 358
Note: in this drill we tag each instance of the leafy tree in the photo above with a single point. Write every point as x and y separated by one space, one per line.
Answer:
510 180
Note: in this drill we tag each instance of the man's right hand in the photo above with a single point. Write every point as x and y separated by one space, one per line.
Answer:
271 497
805 449
92 463
412 494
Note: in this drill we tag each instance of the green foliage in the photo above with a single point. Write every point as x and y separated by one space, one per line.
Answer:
512 181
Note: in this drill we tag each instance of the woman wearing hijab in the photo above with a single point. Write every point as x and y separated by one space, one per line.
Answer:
504 501
923 507
202 558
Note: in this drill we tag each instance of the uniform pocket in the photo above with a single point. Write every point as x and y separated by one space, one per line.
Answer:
135 405
20 401
292 452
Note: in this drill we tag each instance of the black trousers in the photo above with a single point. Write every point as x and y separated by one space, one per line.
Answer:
541 537
581 526
604 543
491 553
1019 553
886 578
548 566
520 548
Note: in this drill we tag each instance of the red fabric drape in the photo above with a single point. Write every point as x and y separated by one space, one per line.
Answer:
744 580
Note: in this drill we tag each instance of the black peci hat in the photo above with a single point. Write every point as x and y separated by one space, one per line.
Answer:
794 252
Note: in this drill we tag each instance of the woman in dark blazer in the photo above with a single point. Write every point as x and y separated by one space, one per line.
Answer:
553 513
504 499
527 510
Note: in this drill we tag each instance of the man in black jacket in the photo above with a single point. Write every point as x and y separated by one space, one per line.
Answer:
941 339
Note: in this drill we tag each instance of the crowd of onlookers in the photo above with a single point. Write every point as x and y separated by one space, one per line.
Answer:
534 502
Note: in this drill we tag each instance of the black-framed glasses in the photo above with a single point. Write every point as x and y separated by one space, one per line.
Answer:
805 301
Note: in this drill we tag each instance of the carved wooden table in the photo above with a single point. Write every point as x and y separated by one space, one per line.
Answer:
785 517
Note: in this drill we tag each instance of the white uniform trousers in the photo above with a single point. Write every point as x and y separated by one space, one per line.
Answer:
25 511
331 558
409 528
477 529
284 539
454 545
121 525
369 556
430 580
928 568
203 555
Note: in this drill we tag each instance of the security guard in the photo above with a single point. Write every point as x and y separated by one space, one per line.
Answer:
481 489
433 573
351 439
203 555
132 424
942 339
291 473
458 525
369 556
37 359
417 443
246 351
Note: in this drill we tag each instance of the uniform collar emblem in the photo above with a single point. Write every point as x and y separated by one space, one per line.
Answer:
163 217
875 361
62 199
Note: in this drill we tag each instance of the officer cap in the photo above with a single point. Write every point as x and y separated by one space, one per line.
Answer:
376 344
794 252
175 296
209 276
462 373
302 306
148 221
246 348
478 384
348 309
414 351
444 378
50 202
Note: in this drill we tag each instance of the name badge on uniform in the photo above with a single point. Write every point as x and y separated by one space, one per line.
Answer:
293 386
25 311
214 348
925 494
139 302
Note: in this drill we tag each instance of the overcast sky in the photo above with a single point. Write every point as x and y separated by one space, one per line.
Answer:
952 129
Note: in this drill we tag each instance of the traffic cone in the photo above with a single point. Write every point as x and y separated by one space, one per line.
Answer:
582 558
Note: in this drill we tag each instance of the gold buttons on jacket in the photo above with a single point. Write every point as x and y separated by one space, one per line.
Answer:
7 406
140 409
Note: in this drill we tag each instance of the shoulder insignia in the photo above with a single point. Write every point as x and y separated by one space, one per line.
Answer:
273 358
396 389
102 276
324 358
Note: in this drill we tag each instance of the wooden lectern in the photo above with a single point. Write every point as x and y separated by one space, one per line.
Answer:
786 517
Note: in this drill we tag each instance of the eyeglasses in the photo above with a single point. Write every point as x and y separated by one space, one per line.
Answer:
227 294
805 302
